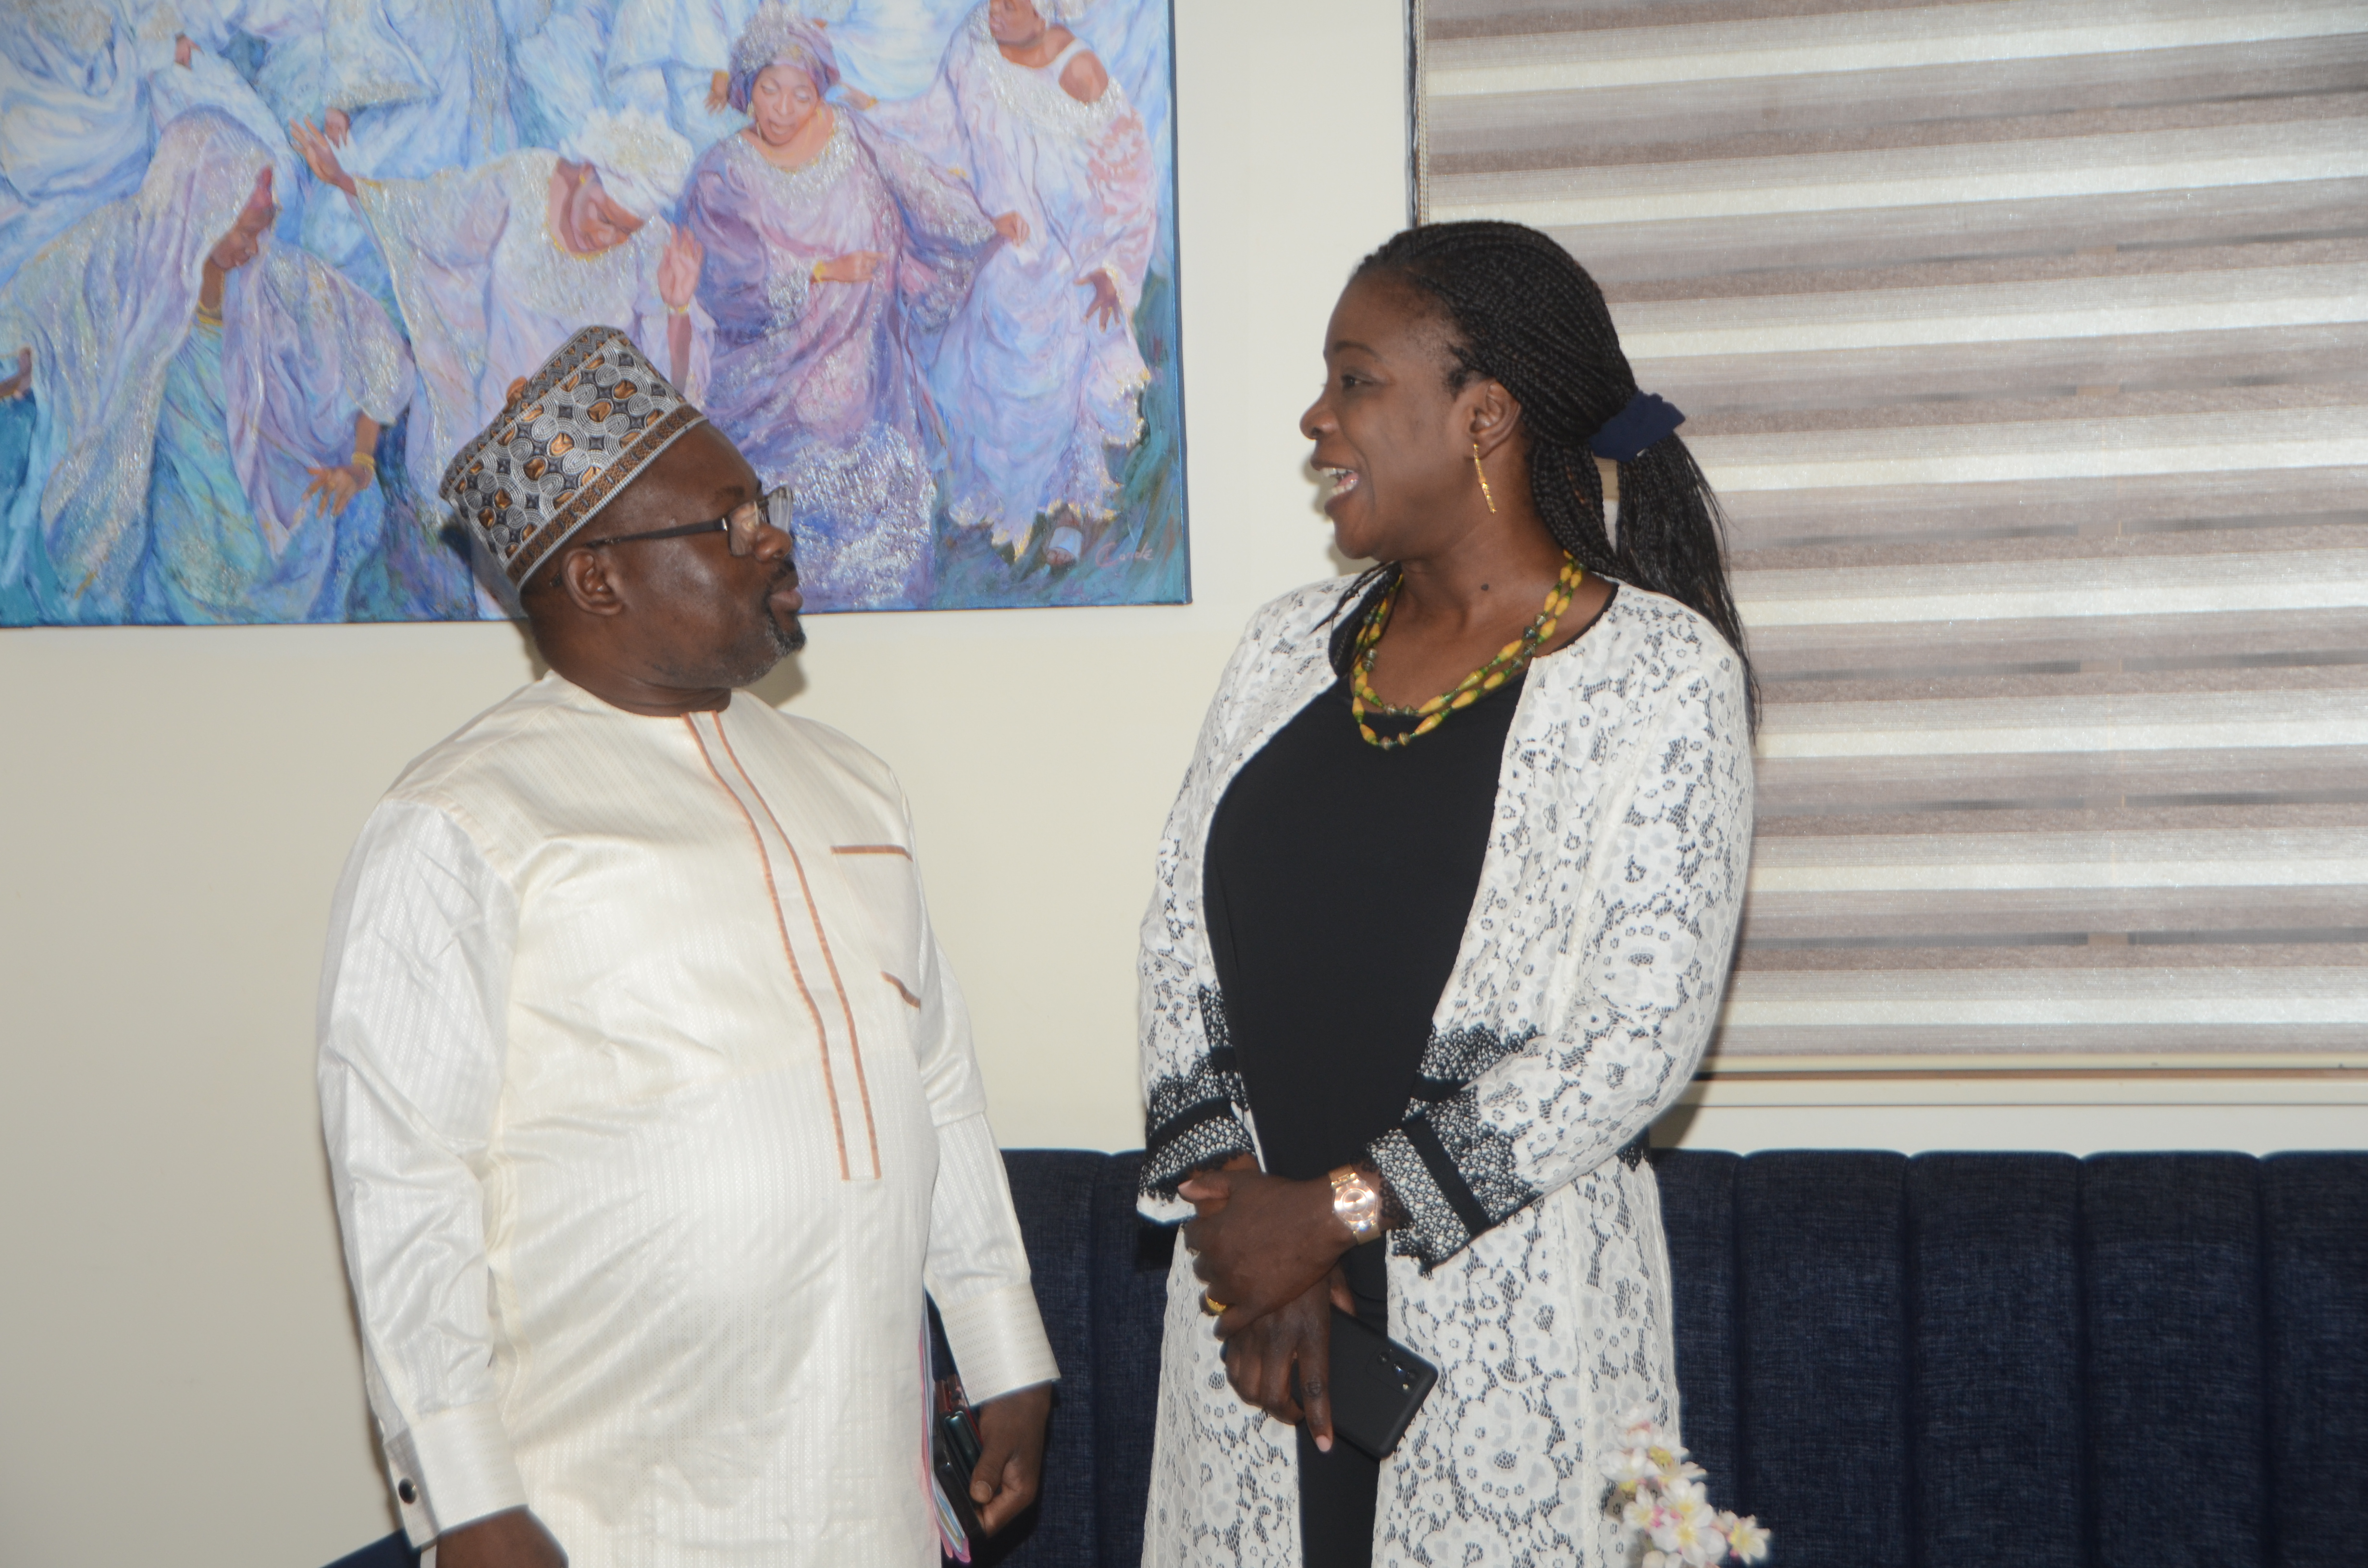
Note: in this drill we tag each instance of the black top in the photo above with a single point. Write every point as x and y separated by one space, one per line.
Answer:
1339 880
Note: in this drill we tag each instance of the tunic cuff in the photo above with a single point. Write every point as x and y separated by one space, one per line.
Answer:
1199 1137
451 1469
1439 1206
998 1341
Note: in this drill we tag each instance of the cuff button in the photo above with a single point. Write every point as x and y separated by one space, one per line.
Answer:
407 1491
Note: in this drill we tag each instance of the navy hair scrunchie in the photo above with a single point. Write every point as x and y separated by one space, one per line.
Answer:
1627 435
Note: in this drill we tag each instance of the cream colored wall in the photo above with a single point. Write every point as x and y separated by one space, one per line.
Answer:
178 1371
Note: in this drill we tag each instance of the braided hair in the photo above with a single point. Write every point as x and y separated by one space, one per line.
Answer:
1522 313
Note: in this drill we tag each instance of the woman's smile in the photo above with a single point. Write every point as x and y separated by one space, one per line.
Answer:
1342 481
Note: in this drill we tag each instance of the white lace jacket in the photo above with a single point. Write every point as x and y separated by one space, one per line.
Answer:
1535 1273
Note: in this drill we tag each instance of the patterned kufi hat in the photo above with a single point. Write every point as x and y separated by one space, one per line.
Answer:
642 162
778 35
575 434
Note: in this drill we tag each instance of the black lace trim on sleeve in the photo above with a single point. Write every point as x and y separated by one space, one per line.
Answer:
1453 1174
1193 1120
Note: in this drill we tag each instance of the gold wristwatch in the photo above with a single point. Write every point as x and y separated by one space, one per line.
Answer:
1357 1202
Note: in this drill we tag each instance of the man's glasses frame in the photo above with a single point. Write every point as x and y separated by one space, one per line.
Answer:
772 508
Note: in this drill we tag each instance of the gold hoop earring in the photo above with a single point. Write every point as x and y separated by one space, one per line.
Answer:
1483 472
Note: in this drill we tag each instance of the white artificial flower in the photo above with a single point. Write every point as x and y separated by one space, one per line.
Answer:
1668 1502
1626 1467
1696 1543
1686 1495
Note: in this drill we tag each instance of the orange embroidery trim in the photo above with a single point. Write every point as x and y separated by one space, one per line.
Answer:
846 1006
829 1083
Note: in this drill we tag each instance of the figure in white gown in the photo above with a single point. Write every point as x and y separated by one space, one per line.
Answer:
75 128
206 401
200 77
87 84
404 89
1039 373
494 268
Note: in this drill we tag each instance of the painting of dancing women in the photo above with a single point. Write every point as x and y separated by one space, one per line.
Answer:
264 262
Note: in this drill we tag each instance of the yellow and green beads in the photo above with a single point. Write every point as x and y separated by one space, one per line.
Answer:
1510 660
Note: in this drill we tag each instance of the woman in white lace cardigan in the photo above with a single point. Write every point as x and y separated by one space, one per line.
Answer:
1445 912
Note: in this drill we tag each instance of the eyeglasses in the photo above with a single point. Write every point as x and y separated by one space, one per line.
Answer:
771 509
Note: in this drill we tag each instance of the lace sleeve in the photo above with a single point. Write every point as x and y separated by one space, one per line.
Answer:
1544 1105
1192 1089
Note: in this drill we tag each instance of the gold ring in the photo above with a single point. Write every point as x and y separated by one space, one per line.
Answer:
1211 1305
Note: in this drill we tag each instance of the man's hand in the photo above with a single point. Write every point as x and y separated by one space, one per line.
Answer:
1260 1241
719 92
1010 1455
678 270
21 383
1105 306
312 145
854 266
1258 1360
514 1539
183 51
1013 228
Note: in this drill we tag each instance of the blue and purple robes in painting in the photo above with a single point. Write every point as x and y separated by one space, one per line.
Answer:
1036 387
169 456
818 382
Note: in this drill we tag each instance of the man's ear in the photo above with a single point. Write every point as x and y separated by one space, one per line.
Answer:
1494 415
589 581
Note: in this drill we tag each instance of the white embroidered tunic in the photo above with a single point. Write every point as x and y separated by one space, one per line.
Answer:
1535 1273
651 1107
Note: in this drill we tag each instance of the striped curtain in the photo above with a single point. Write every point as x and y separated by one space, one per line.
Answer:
2026 342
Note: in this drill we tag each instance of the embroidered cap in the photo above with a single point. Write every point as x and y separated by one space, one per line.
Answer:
574 434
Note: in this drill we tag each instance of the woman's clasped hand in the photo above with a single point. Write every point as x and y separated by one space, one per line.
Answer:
1267 1250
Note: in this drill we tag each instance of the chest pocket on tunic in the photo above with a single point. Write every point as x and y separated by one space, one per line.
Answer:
883 882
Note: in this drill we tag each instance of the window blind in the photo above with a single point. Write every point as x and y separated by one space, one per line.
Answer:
2026 343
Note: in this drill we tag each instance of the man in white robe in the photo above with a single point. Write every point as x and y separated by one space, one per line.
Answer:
1039 374
649 1099
495 266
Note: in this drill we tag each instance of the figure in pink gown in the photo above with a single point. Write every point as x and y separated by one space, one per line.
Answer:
834 255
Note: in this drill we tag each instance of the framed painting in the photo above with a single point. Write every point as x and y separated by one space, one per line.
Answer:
264 268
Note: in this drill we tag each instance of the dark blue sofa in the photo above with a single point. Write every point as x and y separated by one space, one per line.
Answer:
1948 1362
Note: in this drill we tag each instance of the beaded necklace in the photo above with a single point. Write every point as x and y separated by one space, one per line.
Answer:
1510 660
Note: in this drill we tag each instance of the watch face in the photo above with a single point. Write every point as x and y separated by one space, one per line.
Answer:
1356 1202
